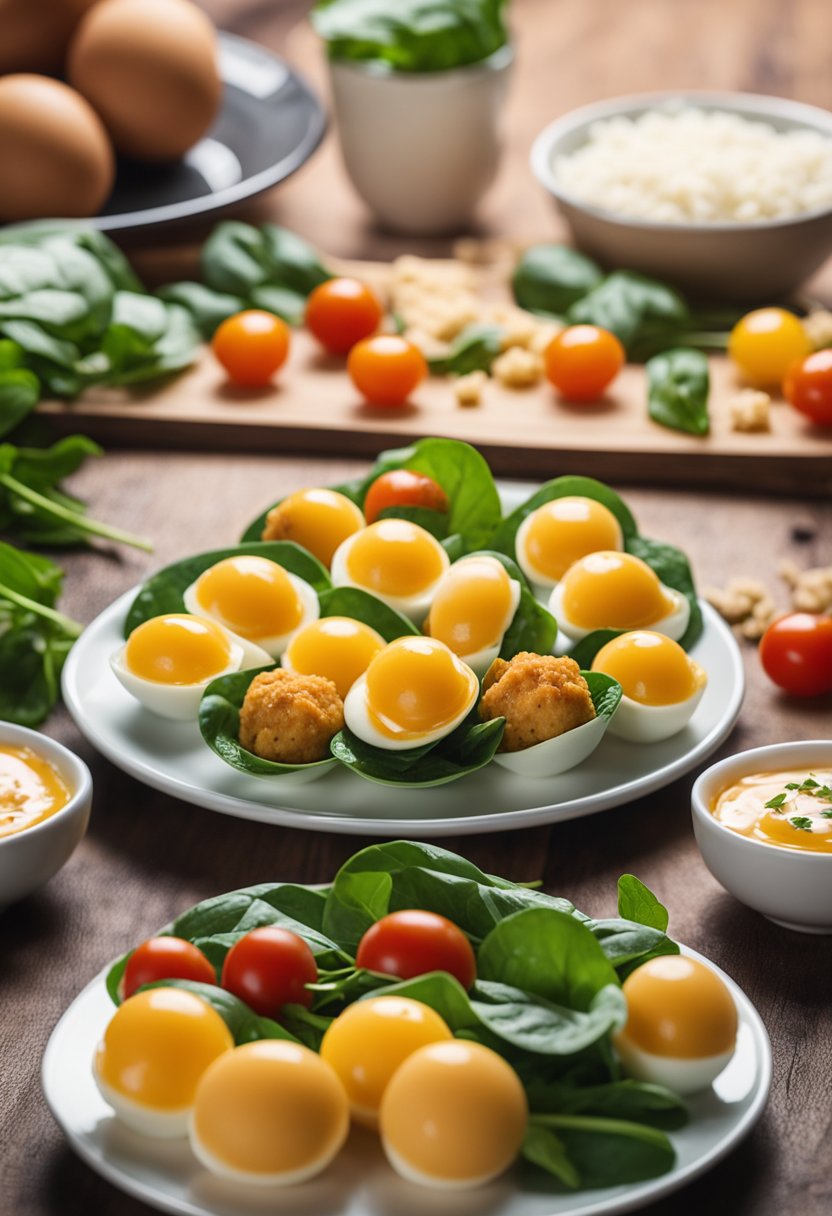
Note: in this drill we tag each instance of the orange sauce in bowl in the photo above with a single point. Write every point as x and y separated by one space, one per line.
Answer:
31 790
798 814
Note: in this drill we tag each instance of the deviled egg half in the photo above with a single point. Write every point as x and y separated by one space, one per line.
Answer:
559 533
168 661
336 647
473 607
397 561
318 519
255 599
414 692
608 589
661 685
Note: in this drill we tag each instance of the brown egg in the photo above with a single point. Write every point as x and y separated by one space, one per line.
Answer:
149 67
57 157
36 33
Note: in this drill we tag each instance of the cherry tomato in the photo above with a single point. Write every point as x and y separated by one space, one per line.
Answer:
808 387
166 958
341 312
796 653
403 488
386 369
412 943
765 343
251 346
269 968
582 360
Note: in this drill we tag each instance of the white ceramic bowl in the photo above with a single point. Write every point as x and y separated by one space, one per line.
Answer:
792 888
29 858
753 261
421 148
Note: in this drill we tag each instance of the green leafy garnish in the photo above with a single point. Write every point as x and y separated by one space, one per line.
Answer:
637 902
474 349
802 822
679 385
551 278
467 748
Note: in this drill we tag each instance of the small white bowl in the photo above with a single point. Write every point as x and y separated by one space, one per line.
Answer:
790 887
29 858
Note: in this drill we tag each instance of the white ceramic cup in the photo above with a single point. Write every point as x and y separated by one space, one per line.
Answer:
29 858
789 886
421 148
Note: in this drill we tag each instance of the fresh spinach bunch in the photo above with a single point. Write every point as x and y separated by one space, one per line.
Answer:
247 267
646 315
412 35
547 995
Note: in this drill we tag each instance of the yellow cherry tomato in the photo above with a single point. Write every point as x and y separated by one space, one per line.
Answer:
765 343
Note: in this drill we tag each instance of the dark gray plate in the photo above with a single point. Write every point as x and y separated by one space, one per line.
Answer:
270 123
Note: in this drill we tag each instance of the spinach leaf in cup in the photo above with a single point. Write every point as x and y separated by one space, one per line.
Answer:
551 278
588 1151
679 384
164 590
466 749
362 606
411 35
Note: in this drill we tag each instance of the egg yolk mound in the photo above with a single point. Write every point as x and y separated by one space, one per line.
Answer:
252 596
651 668
563 531
454 1113
370 1040
395 558
30 790
319 520
473 606
679 1008
416 685
177 649
614 591
157 1046
269 1111
335 647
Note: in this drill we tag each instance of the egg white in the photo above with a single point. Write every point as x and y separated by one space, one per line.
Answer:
638 723
273 644
480 660
684 1076
358 720
220 1169
180 702
409 1172
415 607
541 582
158 1124
673 624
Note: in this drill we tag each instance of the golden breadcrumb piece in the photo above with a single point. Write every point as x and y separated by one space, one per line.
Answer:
468 389
518 368
750 410
290 718
539 696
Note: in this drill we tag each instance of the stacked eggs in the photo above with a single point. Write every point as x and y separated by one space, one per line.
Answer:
142 82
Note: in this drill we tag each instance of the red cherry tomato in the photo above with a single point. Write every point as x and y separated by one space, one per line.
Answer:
403 488
251 346
386 369
808 387
341 312
269 968
582 360
796 653
412 943
166 958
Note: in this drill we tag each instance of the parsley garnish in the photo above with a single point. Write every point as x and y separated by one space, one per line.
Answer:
802 822
775 803
808 786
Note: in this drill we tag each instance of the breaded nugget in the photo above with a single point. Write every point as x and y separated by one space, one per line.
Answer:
539 696
290 718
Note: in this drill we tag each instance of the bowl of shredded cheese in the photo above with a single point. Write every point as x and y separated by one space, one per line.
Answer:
727 194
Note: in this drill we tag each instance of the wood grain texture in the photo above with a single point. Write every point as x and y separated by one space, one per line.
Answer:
147 857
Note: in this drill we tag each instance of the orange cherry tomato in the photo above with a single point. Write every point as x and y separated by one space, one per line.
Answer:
582 360
251 346
166 958
808 387
341 312
414 942
386 369
403 488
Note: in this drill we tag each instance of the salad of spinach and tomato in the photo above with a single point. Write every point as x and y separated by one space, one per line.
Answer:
505 965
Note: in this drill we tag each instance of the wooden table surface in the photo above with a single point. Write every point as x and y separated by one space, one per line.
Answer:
147 857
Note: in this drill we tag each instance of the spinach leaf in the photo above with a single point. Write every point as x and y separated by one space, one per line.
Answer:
551 278
542 1147
362 606
474 349
679 385
603 1152
208 308
164 590
633 307
245 1025
219 724
636 1101
412 35
466 749
505 537
638 903
627 945
19 394
249 907
673 568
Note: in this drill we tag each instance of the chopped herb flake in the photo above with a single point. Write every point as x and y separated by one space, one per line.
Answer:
802 822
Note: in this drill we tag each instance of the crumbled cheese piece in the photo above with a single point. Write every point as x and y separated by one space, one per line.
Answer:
745 602
811 590
750 410
468 389
430 346
818 328
518 368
